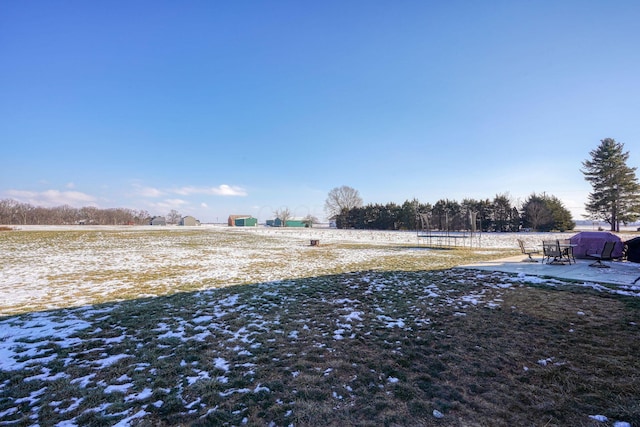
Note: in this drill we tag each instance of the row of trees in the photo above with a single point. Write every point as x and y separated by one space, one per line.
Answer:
539 213
615 199
14 212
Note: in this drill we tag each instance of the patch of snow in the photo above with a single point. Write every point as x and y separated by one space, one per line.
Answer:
108 361
144 394
127 421
118 388
221 364
545 362
26 333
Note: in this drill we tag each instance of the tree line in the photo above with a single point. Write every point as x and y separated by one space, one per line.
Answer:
19 213
538 213
615 199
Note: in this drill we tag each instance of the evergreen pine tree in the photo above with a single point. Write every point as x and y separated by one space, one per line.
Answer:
616 192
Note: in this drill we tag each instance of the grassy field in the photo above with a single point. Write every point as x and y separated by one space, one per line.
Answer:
226 328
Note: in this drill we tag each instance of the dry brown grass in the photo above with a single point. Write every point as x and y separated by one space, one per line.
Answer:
378 346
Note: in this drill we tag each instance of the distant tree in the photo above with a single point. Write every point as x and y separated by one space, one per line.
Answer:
475 211
66 214
284 214
535 214
141 217
14 212
173 217
382 217
22 211
340 199
352 218
546 213
616 193
309 220
503 215
562 220
445 215
408 215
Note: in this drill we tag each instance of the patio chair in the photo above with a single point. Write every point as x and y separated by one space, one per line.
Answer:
527 251
551 249
605 255
567 250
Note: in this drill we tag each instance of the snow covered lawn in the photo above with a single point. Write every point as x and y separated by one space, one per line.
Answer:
223 327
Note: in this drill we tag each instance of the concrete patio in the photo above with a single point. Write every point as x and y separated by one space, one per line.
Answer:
619 273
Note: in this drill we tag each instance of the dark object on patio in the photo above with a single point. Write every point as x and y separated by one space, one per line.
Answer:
591 242
633 249
605 255
527 251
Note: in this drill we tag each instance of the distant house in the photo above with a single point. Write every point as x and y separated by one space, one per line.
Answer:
158 220
189 221
242 221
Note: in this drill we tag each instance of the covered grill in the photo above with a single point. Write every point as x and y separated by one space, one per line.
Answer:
592 242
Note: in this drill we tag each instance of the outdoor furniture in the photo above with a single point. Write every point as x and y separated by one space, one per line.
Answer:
527 251
567 250
552 252
605 255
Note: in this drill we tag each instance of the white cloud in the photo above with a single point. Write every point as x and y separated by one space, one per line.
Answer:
148 191
50 198
176 202
221 190
188 190
204 205
168 204
225 190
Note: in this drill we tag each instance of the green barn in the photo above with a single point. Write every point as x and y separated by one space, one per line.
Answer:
296 223
246 222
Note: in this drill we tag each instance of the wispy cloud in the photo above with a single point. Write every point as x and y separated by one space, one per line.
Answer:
49 198
147 191
188 190
169 204
221 190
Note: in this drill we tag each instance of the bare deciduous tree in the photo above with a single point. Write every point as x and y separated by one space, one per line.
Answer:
15 212
284 214
173 217
341 198
309 220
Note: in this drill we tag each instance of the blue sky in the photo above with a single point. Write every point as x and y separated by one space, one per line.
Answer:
217 108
